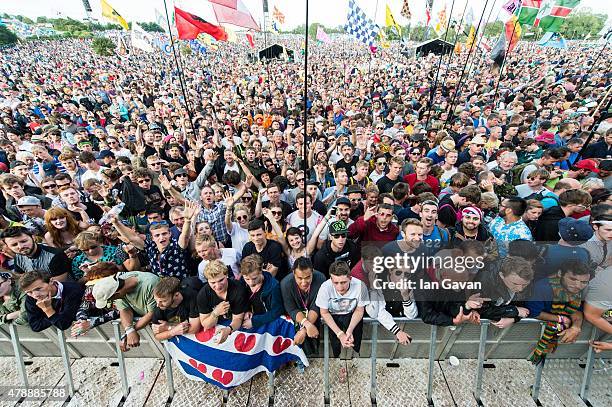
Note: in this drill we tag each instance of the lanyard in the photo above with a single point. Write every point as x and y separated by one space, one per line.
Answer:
303 300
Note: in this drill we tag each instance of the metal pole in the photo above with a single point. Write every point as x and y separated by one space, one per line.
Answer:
325 363
484 328
18 355
270 388
373 361
125 390
178 68
457 29
501 68
432 94
304 141
169 375
588 370
537 384
432 361
66 361
591 130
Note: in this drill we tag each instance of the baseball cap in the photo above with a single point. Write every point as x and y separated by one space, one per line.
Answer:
15 164
587 165
398 120
28 201
104 289
312 182
337 228
105 153
291 148
605 165
343 201
546 137
574 231
37 138
180 171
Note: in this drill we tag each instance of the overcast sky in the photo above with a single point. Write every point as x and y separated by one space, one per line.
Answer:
327 12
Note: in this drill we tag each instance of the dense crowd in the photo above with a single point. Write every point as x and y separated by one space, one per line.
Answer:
122 200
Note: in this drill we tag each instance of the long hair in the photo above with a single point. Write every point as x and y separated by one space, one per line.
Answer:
72 226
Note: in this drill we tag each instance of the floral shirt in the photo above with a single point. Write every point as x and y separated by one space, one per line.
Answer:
113 254
504 233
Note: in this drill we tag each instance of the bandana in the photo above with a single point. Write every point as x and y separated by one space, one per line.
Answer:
472 210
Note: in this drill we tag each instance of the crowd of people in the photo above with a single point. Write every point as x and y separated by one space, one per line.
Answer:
122 200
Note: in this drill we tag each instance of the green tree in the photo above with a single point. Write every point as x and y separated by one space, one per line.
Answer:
493 30
103 46
7 37
24 19
578 25
151 27
42 20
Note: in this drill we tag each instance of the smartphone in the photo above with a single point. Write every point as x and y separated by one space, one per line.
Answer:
333 211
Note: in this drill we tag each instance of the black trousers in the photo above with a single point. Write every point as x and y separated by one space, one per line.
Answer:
343 321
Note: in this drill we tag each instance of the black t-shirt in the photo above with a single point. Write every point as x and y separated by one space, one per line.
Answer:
385 184
188 308
324 258
93 211
237 296
154 198
272 253
350 166
49 260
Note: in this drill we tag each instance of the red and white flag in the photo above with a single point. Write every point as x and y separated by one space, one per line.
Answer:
233 12
249 38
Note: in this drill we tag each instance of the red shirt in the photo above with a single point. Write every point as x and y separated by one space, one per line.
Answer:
432 181
368 231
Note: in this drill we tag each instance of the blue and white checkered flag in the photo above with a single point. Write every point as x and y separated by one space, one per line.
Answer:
360 26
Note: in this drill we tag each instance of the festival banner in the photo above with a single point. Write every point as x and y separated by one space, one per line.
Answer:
244 354
234 12
405 12
140 38
553 40
322 35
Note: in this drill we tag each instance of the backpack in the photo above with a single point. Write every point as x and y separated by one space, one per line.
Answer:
457 213
517 172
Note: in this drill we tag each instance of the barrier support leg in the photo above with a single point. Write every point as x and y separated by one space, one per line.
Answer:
326 364
121 360
373 360
588 371
271 388
169 375
18 355
537 384
61 341
484 328
432 360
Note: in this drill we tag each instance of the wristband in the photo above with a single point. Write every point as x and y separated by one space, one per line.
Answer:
339 334
129 331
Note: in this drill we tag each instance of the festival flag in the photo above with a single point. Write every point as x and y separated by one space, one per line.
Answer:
234 12
507 40
511 6
109 12
390 21
272 26
278 16
384 42
428 7
141 39
554 40
470 37
322 35
189 26
249 38
442 23
231 35
360 26
529 11
469 21
405 12
554 15
161 20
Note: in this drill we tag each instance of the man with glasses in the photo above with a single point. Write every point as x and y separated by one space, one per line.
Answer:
572 202
337 247
475 148
343 210
379 168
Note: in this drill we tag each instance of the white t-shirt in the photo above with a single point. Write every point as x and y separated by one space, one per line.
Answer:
336 304
295 220
229 256
240 237
92 174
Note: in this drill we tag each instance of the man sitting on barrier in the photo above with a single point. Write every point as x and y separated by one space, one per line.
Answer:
299 291
265 301
176 312
507 284
132 294
342 301
558 301
50 303
221 299
12 301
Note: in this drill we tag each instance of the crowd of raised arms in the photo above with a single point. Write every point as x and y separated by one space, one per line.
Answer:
122 200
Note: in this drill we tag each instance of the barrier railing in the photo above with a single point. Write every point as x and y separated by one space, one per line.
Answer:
438 347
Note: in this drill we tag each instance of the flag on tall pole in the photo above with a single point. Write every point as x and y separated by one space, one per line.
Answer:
322 35
249 38
529 11
234 12
110 13
556 13
428 7
277 15
442 24
554 40
360 26
511 6
405 12
390 21
507 40
190 25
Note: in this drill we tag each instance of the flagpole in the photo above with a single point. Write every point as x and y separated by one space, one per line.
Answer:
450 57
433 91
180 71
304 125
501 68
592 129
264 5
478 63
460 80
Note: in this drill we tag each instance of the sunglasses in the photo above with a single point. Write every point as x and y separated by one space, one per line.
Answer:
380 163
155 164
142 181
276 213
340 235
180 175
399 273
48 186
300 179
247 198
480 145
380 128
415 153
160 223
242 217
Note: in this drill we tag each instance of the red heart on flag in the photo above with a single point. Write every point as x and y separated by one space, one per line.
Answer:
223 378
200 366
244 343
205 335
280 345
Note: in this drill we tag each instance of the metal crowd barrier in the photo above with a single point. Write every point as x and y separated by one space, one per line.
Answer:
439 342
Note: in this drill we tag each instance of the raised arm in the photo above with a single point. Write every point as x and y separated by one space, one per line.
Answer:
127 233
312 243
191 209
277 229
